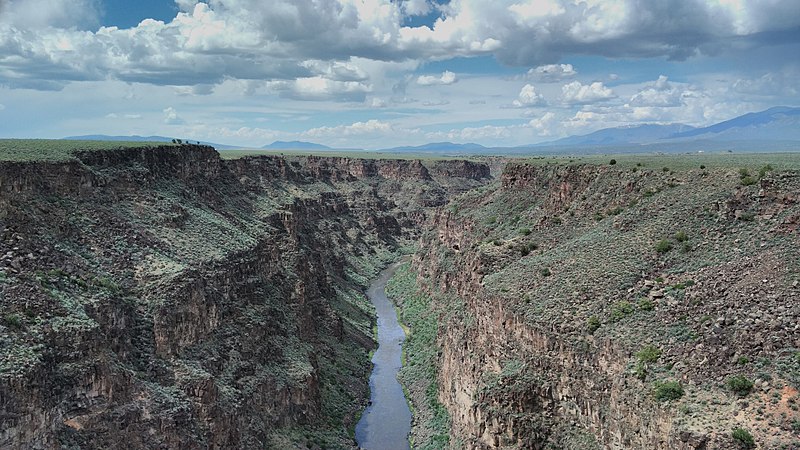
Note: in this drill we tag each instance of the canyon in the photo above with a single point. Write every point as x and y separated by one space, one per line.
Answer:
165 297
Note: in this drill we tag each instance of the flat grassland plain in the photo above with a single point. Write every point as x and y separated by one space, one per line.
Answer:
60 150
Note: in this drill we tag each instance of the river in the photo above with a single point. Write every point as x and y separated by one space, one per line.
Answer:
386 423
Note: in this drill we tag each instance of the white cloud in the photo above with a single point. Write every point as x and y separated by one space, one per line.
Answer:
783 83
552 73
417 7
435 102
377 102
661 93
370 127
544 125
39 14
320 89
528 97
125 116
576 93
171 117
446 78
208 42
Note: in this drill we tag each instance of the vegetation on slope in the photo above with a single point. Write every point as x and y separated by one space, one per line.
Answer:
419 373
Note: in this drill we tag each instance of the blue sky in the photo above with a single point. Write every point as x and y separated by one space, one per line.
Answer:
381 73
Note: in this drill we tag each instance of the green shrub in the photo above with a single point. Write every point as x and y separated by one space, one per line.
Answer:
616 211
491 220
702 167
763 171
645 304
680 236
556 220
742 360
593 324
663 246
525 231
648 354
739 384
665 169
748 181
743 437
13 321
612 162
668 390
621 310
546 272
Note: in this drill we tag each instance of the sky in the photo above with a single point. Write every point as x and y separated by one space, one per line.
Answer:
378 73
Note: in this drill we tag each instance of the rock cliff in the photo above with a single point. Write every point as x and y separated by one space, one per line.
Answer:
592 307
166 298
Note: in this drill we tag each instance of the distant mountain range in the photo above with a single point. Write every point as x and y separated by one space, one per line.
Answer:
775 129
295 145
136 138
439 147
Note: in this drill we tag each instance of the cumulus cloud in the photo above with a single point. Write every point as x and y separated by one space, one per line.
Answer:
171 117
661 93
552 73
528 97
370 127
208 42
319 89
417 7
446 78
544 125
576 93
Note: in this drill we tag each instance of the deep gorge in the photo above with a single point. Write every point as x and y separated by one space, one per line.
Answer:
165 297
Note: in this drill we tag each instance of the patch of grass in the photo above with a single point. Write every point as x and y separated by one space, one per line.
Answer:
681 236
593 324
525 231
740 385
764 170
13 321
668 390
743 438
663 246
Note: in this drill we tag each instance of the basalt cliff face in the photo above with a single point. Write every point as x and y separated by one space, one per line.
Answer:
162 297
590 307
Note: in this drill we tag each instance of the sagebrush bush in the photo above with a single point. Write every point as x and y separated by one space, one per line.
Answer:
740 385
743 437
663 246
668 390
